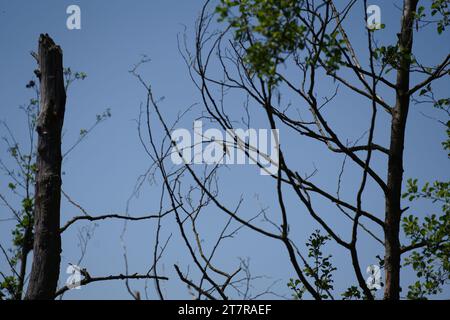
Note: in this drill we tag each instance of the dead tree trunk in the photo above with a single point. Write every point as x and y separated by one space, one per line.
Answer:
47 240
395 164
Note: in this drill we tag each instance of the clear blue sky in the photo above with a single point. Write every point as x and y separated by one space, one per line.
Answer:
101 173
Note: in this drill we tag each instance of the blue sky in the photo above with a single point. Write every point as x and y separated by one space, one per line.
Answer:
101 173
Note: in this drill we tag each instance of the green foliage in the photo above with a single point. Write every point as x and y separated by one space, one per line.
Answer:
71 76
296 286
440 8
99 118
388 55
8 287
271 29
420 13
352 293
438 14
446 143
430 236
391 56
332 47
321 270
442 104
431 262
437 192
21 185
23 178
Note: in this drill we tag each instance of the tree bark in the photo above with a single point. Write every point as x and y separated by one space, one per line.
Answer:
47 241
395 164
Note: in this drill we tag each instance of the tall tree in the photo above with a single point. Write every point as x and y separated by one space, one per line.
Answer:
47 239
395 162
269 48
